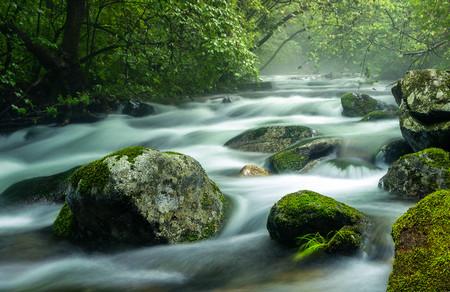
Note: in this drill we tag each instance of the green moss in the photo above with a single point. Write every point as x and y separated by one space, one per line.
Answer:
131 152
380 115
422 251
345 241
299 206
94 175
287 160
64 223
206 201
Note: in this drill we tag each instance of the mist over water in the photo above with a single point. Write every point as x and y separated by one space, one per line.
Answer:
242 256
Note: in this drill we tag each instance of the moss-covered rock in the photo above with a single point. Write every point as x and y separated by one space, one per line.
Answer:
269 139
380 115
305 212
358 105
424 98
39 189
142 196
298 156
422 246
393 150
63 227
253 170
418 174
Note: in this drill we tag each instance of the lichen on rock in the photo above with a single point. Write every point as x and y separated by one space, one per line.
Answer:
418 174
424 99
269 139
139 195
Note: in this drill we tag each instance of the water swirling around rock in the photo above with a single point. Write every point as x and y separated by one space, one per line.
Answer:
243 256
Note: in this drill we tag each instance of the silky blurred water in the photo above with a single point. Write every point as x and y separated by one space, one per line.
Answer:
242 257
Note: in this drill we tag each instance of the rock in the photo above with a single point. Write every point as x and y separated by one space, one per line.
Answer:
358 105
227 99
141 196
137 109
422 244
253 170
424 98
269 139
298 156
393 150
381 115
304 213
40 189
417 174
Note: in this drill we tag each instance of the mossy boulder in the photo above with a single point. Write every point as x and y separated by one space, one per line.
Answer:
393 150
422 246
358 105
424 99
305 212
142 196
417 174
39 189
253 170
298 156
269 139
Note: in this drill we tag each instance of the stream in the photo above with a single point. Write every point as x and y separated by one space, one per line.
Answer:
243 256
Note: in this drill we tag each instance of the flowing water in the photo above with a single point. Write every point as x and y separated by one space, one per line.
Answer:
243 256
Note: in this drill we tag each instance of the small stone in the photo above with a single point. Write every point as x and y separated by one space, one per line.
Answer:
253 170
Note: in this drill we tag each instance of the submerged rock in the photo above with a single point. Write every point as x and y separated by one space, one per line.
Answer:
417 174
381 115
424 99
137 109
269 139
422 244
358 105
141 196
393 150
296 216
253 170
39 189
298 156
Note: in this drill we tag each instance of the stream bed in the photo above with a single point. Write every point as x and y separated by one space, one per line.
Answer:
242 257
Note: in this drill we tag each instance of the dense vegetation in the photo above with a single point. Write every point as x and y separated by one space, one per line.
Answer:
59 57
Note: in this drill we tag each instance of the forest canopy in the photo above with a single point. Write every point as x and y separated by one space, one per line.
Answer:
57 55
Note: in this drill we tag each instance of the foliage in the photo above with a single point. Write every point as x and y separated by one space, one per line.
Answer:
154 50
376 38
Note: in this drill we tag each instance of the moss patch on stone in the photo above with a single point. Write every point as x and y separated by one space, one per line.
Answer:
422 246
94 175
64 223
380 115
286 160
130 152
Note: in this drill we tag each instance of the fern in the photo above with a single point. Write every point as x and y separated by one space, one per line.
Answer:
312 243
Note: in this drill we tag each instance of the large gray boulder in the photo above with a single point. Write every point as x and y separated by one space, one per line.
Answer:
424 99
141 196
417 174
269 139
